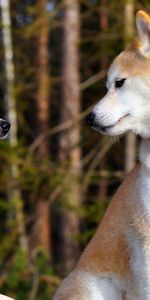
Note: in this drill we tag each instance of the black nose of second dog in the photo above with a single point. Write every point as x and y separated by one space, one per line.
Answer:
5 126
90 119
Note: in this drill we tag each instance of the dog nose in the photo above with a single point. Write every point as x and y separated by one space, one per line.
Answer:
5 126
90 119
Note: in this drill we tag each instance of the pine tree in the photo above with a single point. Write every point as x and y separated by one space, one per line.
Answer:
70 151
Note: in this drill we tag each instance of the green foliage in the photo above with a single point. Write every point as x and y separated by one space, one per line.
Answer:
25 281
93 214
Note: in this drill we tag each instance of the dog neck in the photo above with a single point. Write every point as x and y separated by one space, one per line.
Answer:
144 153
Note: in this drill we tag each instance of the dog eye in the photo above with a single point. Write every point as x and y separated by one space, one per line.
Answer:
119 83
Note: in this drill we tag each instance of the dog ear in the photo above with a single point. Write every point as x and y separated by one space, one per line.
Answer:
143 28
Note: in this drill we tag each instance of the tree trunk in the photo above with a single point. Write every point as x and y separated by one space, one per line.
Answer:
43 81
13 191
70 152
130 149
103 22
42 227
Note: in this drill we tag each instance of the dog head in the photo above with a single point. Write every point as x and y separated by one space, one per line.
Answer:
4 128
126 106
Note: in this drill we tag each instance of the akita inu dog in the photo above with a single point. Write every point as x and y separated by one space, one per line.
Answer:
4 129
116 263
2 297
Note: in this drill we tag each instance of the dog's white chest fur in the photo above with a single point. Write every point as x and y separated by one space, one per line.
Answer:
140 245
144 180
103 288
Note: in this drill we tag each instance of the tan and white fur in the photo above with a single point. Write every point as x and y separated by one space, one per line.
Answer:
2 297
116 263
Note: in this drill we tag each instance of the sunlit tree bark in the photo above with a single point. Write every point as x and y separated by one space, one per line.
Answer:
13 191
103 23
130 150
70 152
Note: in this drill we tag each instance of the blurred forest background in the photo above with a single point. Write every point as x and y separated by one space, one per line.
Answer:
57 175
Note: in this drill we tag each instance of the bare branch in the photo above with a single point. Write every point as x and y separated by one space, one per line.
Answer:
96 161
92 80
57 129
